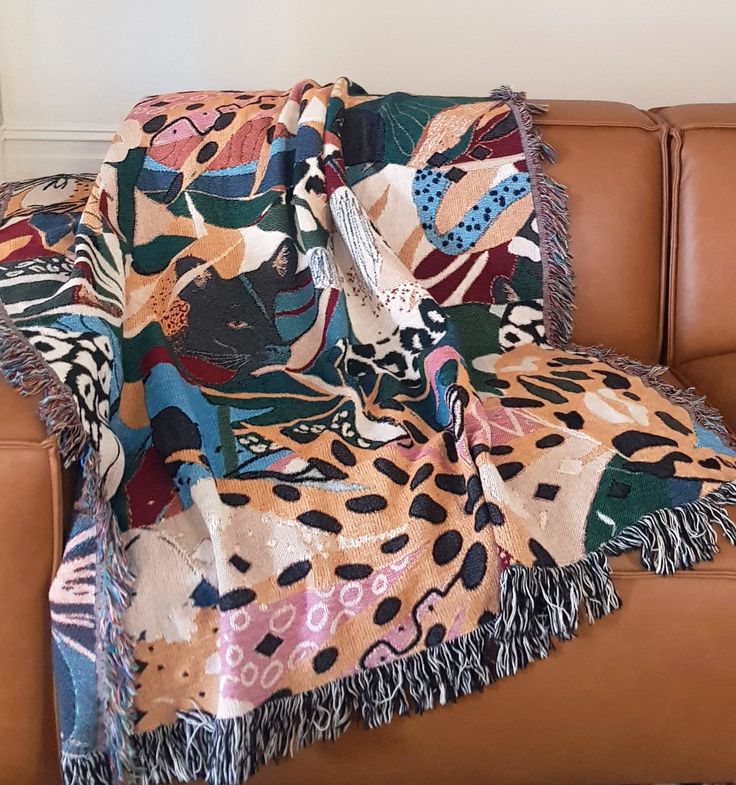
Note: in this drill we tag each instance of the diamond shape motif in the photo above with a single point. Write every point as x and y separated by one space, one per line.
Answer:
436 159
480 153
455 174
619 490
268 645
546 491
240 564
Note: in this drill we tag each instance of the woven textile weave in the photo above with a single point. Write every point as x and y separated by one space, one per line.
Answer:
338 457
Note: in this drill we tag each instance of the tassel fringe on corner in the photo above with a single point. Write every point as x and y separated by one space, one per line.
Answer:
537 604
552 220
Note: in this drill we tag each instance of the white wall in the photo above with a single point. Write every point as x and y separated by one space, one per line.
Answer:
69 69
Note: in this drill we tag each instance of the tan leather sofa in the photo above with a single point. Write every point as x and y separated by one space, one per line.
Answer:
650 694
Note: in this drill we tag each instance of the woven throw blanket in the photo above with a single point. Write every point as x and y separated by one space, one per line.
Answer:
338 458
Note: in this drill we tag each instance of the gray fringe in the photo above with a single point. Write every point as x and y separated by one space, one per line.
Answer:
26 370
550 199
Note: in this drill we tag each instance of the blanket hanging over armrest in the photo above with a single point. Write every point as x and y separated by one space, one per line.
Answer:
311 350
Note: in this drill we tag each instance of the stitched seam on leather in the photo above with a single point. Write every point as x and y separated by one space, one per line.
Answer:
676 159
20 444
597 124
707 127
680 576
57 507
665 260
708 357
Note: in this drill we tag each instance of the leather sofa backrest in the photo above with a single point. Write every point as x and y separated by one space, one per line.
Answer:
701 346
613 160
703 236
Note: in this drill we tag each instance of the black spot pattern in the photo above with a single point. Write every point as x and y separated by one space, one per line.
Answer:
475 491
414 432
240 564
391 470
422 473
329 471
450 446
395 544
174 188
236 599
435 635
268 644
287 492
487 617
154 124
672 423
542 557
629 442
206 152
353 572
663 468
573 420
386 610
324 659
342 453
371 502
553 440
474 566
316 519
234 499
614 381
488 514
294 572
452 483
426 508
521 403
447 546
224 120
509 470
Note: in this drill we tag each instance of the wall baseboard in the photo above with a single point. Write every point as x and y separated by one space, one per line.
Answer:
34 151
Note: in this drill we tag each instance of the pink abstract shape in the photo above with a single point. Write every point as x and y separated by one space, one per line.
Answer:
292 630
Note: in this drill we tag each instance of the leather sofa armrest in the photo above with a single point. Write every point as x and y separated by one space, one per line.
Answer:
19 420
31 523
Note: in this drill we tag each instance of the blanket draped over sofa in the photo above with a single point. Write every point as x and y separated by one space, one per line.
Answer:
338 457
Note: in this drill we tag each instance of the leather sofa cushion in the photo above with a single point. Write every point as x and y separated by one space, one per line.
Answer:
702 334
703 269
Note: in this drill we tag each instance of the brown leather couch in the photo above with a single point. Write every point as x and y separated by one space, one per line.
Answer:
650 694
